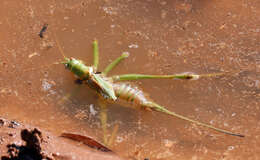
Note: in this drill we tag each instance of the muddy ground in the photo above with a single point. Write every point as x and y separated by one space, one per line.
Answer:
162 37
24 142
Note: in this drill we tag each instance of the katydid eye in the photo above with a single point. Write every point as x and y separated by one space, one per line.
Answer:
67 66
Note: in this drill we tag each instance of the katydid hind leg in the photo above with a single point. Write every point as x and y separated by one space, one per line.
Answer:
184 76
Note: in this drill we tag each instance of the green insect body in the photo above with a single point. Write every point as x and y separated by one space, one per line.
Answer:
87 73
111 89
78 68
105 85
131 94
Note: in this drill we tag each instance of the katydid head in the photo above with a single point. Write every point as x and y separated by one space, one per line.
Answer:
67 62
78 67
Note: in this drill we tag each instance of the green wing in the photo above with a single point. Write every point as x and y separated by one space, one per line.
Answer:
106 86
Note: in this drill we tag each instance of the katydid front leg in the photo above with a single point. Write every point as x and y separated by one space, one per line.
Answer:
95 54
115 63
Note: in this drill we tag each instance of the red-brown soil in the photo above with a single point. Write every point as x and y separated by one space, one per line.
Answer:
19 141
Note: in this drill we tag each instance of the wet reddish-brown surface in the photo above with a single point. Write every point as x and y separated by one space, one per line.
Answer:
25 142
162 37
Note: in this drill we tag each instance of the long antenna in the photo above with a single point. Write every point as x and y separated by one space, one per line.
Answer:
59 46
61 52
44 66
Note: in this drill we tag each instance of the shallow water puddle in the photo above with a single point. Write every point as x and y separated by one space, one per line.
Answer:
162 37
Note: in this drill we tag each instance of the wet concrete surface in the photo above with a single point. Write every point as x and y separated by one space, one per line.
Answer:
162 37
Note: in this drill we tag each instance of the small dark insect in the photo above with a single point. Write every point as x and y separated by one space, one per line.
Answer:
44 28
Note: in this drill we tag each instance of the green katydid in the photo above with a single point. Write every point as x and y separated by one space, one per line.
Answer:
111 89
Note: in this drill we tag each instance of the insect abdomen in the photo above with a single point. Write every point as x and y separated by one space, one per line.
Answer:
129 93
